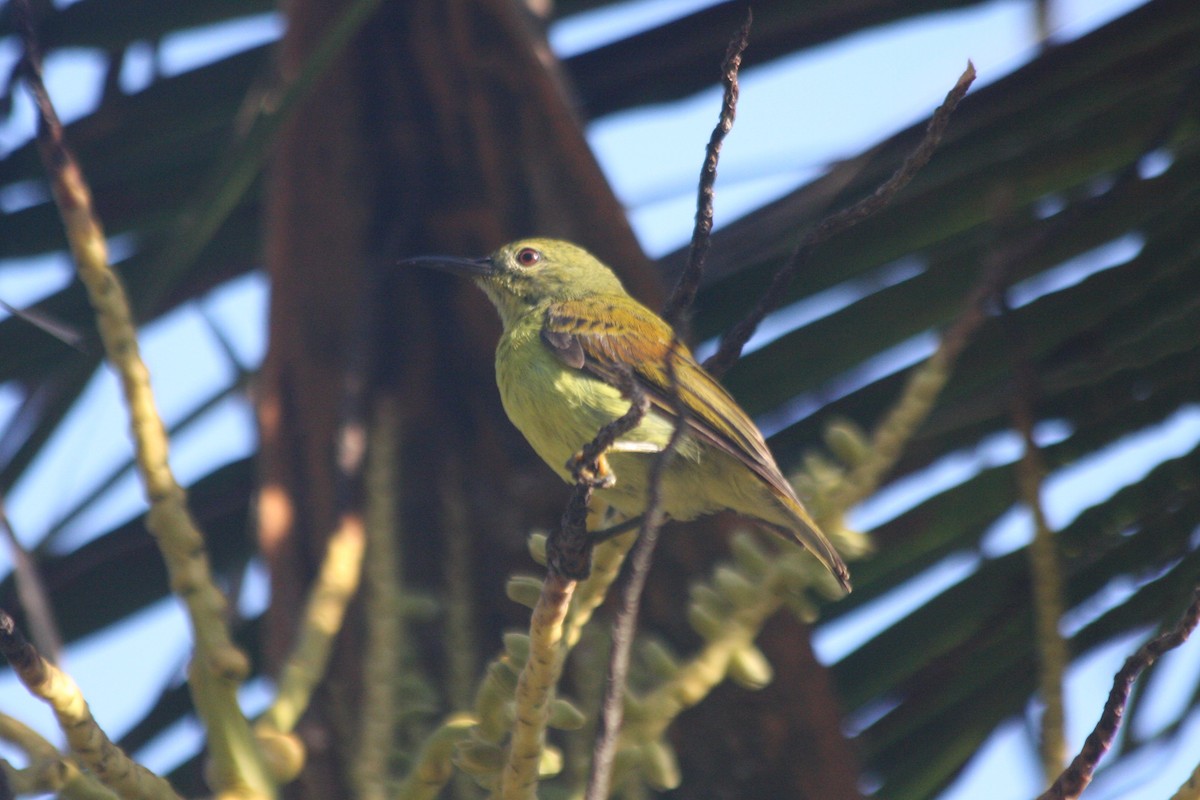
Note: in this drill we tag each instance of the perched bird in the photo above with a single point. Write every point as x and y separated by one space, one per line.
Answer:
570 331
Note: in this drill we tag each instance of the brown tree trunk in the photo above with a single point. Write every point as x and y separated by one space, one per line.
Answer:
444 128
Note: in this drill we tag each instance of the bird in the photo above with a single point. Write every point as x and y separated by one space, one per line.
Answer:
571 336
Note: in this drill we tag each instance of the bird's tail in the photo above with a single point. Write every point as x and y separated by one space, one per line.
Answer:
804 530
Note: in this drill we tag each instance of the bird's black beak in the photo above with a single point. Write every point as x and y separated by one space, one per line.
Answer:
468 267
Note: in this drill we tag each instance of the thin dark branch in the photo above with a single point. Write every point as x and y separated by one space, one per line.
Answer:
612 711
675 313
1078 775
50 133
1003 258
839 222
684 293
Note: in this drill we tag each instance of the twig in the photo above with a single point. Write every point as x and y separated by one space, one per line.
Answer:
324 610
60 777
695 678
607 558
48 770
1043 557
625 622
126 467
25 739
1078 775
836 223
674 312
231 741
612 709
91 745
386 629
535 688
340 572
921 391
494 699
568 559
684 293
433 768
459 635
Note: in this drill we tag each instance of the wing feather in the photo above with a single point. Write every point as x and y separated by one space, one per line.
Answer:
598 334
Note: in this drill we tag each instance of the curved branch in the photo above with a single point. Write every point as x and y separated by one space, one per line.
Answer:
839 222
91 745
1078 775
169 521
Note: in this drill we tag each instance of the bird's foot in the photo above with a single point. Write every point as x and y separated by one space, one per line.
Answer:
580 467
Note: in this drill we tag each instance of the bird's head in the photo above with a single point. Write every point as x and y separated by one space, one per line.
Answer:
529 273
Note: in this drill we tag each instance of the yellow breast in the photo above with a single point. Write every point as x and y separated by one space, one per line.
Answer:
558 409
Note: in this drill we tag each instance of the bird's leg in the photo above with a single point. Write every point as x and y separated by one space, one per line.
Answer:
604 534
602 477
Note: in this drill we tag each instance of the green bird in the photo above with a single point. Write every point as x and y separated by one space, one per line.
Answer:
570 331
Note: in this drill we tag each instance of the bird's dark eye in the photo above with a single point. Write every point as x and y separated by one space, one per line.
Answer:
527 256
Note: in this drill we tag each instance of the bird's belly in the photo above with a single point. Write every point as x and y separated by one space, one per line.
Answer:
559 410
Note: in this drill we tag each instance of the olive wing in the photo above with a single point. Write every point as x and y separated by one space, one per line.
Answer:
603 335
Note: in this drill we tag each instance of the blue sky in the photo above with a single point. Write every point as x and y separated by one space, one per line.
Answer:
795 117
